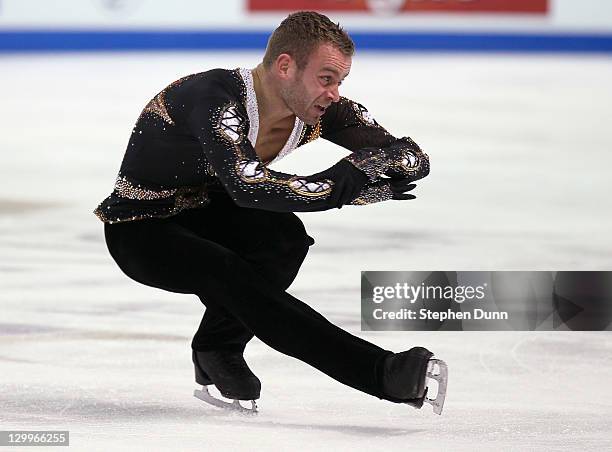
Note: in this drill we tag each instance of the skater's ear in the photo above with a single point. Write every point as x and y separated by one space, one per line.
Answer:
285 66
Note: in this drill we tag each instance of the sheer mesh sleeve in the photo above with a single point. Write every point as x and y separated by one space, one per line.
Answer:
350 125
374 150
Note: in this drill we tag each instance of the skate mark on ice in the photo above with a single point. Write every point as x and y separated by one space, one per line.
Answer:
504 361
16 360
76 409
11 329
544 355
71 403
361 430
12 206
110 309
482 362
518 361
10 269
554 355
26 332
91 237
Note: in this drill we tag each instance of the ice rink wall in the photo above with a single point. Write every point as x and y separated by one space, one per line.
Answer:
383 25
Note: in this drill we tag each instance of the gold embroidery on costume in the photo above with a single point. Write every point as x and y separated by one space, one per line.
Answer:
303 187
180 199
230 125
373 194
190 198
314 133
405 160
157 105
363 114
126 189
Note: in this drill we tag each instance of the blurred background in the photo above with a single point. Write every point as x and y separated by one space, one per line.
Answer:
512 101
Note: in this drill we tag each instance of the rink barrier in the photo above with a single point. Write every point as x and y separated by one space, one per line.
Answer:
114 40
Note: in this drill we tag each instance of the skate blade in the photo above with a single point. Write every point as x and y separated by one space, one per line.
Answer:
441 376
205 396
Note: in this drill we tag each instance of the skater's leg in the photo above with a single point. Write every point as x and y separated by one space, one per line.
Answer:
276 253
162 254
220 330
282 247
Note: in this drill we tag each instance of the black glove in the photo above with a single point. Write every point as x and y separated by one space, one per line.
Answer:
399 187
384 190
348 181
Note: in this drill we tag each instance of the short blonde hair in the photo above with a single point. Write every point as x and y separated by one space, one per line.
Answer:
301 33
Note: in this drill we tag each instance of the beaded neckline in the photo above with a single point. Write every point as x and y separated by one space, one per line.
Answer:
253 112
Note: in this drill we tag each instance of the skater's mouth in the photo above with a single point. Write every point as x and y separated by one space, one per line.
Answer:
321 108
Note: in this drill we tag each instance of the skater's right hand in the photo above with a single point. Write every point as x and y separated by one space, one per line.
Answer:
348 182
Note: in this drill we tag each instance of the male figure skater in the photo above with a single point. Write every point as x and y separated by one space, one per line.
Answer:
196 208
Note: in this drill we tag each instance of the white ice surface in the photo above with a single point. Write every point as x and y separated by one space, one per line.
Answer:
521 155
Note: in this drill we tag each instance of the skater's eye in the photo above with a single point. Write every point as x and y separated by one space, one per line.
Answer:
327 79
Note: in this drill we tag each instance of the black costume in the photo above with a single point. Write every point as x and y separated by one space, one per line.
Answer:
194 210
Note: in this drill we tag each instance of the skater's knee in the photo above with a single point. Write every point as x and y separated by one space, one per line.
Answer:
282 250
284 240
292 237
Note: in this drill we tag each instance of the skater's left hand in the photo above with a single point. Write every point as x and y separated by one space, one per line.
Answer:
385 189
399 187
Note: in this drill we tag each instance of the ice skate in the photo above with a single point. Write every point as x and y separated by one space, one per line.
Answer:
407 378
229 373
439 374
205 396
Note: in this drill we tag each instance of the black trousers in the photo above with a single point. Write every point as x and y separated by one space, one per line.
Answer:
239 262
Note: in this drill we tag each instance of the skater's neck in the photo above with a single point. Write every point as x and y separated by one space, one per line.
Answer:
271 105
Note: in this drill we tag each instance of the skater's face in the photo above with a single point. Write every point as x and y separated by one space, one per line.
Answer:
309 91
